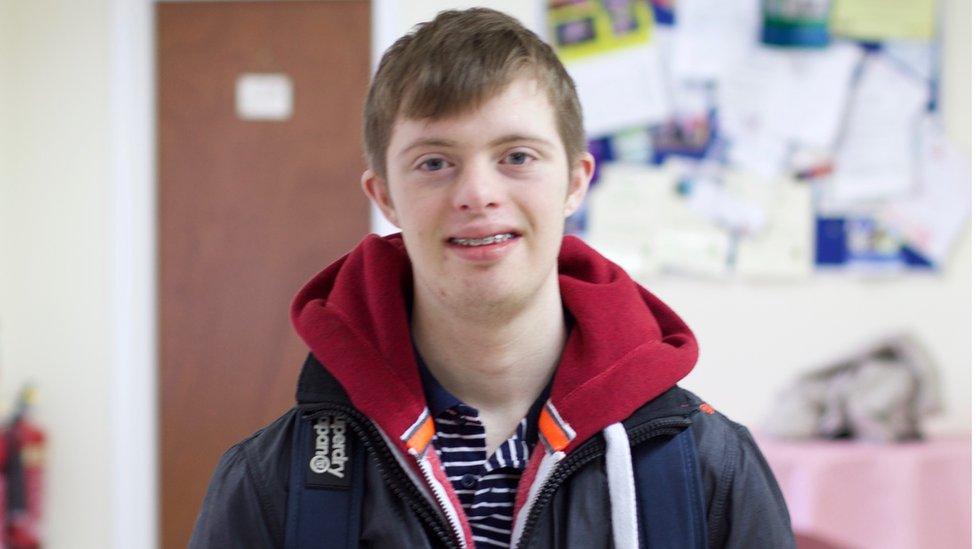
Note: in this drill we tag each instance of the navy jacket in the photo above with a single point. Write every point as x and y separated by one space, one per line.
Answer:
738 501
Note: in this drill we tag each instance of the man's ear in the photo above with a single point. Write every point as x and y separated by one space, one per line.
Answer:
378 191
581 172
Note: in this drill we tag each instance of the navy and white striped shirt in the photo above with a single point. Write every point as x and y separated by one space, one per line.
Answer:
486 485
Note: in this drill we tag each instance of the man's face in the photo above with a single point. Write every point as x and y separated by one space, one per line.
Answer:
482 198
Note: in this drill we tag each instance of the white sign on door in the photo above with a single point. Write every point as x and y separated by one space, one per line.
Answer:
264 96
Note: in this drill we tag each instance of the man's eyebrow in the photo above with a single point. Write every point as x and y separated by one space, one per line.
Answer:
427 142
521 137
503 140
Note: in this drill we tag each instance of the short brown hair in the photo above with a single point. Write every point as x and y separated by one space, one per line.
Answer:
455 63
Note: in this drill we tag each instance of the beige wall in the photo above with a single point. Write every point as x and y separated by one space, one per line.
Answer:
957 73
755 338
55 246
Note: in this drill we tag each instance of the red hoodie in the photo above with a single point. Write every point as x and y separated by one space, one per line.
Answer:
624 348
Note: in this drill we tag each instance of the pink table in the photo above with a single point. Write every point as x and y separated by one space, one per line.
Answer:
863 495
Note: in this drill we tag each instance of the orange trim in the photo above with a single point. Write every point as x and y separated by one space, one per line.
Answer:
418 442
704 407
554 434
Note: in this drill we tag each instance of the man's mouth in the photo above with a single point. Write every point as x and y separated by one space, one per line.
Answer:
484 241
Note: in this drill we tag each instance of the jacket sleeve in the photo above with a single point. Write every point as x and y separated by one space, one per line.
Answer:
749 508
231 515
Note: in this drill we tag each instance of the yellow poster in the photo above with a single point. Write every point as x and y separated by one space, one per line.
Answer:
883 19
582 28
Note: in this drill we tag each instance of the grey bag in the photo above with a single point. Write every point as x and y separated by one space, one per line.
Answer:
878 393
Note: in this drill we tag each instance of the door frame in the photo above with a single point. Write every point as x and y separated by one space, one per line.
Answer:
134 400
133 397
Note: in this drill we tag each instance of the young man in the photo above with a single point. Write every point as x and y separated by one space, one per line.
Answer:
479 380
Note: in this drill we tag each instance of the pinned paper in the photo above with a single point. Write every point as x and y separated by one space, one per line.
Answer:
776 98
877 20
737 212
701 251
915 56
711 36
639 220
753 97
683 241
624 211
784 248
632 146
933 216
690 130
590 28
607 50
764 154
820 84
621 89
870 245
876 155
861 242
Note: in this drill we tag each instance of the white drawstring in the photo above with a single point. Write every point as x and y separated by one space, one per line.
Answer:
623 495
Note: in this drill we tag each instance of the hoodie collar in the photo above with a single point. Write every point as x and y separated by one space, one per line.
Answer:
625 348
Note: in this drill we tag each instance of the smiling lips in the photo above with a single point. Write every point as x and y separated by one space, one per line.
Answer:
488 248
484 241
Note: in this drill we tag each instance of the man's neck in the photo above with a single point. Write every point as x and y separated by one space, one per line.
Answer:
498 364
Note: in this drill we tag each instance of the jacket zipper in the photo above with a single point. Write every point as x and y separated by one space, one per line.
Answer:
586 453
390 468
445 506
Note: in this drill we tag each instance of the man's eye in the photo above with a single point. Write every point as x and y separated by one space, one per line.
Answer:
433 164
518 158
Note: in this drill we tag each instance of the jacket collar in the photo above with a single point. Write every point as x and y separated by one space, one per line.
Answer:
625 348
317 387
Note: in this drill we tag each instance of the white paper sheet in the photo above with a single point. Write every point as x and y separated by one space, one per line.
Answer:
638 220
701 251
762 153
753 97
712 35
776 97
727 207
820 85
784 248
683 241
621 89
932 217
917 56
622 212
875 158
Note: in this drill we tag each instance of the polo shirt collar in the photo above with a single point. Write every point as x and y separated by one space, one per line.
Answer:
440 400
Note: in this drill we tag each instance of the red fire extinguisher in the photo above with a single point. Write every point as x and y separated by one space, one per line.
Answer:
3 486
24 473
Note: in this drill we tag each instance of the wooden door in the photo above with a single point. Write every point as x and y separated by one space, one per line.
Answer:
248 210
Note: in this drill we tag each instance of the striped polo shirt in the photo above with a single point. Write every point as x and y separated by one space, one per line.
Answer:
486 485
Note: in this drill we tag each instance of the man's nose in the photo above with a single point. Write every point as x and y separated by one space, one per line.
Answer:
477 187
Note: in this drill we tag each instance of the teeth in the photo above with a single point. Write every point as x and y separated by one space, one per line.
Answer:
493 239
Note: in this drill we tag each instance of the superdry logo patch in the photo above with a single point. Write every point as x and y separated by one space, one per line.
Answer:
328 453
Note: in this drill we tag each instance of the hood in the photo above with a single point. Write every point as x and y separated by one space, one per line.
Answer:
625 347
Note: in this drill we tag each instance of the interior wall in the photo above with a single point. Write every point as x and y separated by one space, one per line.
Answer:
756 338
55 247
